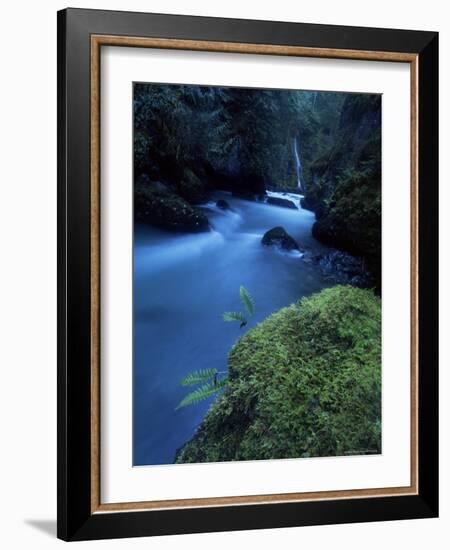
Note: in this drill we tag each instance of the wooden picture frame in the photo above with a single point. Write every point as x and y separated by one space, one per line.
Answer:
81 35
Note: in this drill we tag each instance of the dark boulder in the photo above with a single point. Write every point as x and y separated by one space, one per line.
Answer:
244 194
217 178
277 236
278 201
166 210
223 204
261 196
252 181
313 205
191 188
282 189
355 229
144 181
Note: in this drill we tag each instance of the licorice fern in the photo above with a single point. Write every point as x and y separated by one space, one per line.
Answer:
198 377
248 304
202 393
209 378
246 299
233 316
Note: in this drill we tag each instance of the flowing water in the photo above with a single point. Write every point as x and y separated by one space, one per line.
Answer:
298 165
182 285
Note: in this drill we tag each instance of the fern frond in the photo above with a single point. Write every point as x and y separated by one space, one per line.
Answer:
233 316
207 390
198 377
246 299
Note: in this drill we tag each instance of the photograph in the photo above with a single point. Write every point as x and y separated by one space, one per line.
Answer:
247 271
256 274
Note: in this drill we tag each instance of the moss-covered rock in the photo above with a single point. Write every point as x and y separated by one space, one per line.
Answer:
161 208
351 220
304 383
345 185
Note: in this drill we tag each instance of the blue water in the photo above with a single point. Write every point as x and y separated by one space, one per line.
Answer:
182 285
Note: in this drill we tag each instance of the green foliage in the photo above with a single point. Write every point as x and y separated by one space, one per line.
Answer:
248 304
352 218
234 316
345 186
198 377
246 299
245 133
306 382
207 390
211 386
210 377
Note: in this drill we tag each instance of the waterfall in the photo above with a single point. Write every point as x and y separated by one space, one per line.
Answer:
298 165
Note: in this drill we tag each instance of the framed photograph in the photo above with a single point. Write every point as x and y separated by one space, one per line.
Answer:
247 253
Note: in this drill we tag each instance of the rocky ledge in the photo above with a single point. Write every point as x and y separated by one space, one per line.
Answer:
278 201
277 236
341 267
155 204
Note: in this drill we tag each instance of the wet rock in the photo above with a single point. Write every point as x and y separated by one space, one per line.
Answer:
277 236
223 204
343 268
162 208
144 181
278 201
307 203
244 194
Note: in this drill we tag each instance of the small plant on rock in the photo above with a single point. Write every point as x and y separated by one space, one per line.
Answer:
242 318
210 384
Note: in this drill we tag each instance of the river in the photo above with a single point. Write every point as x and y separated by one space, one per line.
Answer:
182 285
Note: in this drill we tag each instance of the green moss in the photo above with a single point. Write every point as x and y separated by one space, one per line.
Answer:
351 219
345 185
167 210
306 382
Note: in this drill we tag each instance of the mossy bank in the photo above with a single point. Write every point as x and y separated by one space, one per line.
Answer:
306 382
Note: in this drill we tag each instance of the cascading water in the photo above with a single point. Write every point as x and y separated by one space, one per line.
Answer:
182 285
298 165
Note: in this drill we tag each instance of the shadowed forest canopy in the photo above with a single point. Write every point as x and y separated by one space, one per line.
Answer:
246 136
189 140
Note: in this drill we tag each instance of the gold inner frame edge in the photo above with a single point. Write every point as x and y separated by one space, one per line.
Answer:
97 41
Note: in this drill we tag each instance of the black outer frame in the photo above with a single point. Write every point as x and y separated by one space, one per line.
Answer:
75 521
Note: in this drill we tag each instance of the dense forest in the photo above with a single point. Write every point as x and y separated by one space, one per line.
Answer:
189 140
299 373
